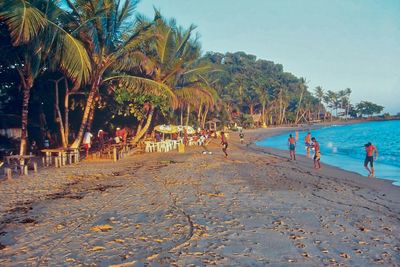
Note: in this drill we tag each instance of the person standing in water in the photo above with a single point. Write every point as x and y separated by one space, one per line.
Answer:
292 147
224 144
317 153
371 151
307 143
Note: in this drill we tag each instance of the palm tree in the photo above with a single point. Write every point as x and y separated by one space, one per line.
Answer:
115 46
34 29
302 87
319 94
172 60
346 100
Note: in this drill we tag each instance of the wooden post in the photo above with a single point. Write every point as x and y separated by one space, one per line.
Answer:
35 167
8 173
114 154
64 158
21 169
69 155
56 162
25 169
43 161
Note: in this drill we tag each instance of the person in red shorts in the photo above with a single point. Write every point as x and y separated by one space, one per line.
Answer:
317 153
371 150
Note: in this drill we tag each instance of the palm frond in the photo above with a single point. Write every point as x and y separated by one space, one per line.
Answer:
23 20
74 59
194 96
144 85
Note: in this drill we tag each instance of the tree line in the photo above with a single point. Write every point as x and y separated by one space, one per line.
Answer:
77 66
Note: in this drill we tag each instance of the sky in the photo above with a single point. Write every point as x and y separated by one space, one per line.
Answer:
335 44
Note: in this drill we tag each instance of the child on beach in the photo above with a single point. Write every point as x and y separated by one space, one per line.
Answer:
371 150
224 144
307 143
292 147
317 153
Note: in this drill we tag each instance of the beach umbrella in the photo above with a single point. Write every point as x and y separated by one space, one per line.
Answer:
189 129
167 129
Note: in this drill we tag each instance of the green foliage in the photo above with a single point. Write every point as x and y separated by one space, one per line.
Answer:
251 85
368 108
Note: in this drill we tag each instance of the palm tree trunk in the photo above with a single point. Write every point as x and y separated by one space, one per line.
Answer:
205 117
85 118
58 113
263 114
24 117
251 106
91 116
143 130
199 115
66 111
188 115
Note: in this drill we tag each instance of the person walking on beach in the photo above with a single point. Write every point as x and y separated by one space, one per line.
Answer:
224 144
371 150
87 140
317 153
307 142
292 147
241 136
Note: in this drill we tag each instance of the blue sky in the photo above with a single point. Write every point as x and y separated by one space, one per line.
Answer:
334 44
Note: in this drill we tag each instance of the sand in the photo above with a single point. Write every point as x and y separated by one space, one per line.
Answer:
254 208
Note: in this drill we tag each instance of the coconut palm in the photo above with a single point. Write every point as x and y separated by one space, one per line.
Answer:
172 60
34 27
319 94
115 45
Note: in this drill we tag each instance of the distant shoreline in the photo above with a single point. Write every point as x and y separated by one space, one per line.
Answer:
264 133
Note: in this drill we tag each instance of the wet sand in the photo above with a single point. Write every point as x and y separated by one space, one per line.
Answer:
254 208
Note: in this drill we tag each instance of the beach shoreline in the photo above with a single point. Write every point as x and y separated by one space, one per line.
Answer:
261 134
253 208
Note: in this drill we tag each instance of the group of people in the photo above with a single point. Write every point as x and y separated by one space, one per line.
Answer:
103 137
311 143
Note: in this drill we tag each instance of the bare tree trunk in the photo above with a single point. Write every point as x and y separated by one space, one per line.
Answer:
58 113
143 130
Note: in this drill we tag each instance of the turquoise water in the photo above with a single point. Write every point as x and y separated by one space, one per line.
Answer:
343 146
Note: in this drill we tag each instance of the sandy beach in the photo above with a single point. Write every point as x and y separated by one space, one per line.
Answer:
254 208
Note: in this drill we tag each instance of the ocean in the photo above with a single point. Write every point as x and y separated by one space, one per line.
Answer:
343 146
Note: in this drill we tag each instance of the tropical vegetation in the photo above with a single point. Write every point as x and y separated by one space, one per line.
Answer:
73 66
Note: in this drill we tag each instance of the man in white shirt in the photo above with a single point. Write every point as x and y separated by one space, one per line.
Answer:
87 140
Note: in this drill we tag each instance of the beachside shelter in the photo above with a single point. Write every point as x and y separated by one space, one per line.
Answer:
212 124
